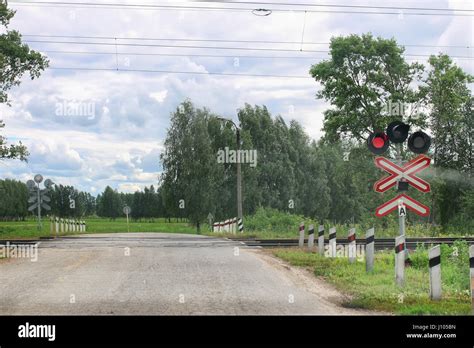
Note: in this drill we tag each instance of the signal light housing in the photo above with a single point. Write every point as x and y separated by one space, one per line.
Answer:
397 131
378 142
419 142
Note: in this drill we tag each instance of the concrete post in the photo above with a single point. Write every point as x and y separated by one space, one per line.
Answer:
301 240
369 250
62 225
311 237
434 254
400 260
321 239
57 226
471 266
351 238
241 225
332 242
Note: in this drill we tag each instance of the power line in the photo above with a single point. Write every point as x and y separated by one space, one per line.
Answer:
187 7
179 72
216 40
194 55
182 55
207 47
334 5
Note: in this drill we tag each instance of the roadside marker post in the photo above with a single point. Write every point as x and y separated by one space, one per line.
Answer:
62 225
68 226
301 240
369 249
351 238
311 237
332 242
321 240
241 225
400 260
57 226
434 255
471 266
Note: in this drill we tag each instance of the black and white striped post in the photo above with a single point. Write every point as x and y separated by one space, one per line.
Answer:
434 255
400 260
241 225
351 238
332 242
321 239
369 250
471 266
62 225
301 240
311 237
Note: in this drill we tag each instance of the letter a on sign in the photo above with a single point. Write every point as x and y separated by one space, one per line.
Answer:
402 211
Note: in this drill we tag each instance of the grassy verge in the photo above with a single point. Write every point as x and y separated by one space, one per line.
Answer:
28 229
378 291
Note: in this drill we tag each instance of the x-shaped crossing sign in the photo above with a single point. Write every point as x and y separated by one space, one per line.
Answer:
407 172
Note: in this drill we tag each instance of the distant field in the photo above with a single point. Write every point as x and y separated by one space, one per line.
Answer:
28 229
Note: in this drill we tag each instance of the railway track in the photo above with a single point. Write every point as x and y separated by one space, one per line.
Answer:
380 243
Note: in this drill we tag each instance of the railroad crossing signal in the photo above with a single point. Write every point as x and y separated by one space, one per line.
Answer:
397 132
38 197
405 173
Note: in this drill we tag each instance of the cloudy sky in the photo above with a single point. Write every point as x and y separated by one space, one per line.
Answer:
115 134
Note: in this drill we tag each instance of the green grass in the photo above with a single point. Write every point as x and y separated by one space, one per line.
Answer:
378 291
28 229
269 223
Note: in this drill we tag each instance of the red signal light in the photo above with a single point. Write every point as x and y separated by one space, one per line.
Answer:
378 142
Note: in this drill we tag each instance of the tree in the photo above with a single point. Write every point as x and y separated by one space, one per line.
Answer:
363 76
452 126
16 59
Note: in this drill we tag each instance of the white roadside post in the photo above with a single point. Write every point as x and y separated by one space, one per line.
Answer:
62 225
51 225
351 238
301 240
57 226
369 250
73 224
241 225
67 226
321 239
234 225
332 242
434 255
471 266
400 260
311 237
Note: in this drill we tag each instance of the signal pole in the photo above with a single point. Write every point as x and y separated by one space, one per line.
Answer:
239 173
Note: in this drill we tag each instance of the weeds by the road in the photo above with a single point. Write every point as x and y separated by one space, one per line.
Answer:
378 291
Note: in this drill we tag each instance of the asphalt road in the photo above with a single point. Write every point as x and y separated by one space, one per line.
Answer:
154 274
